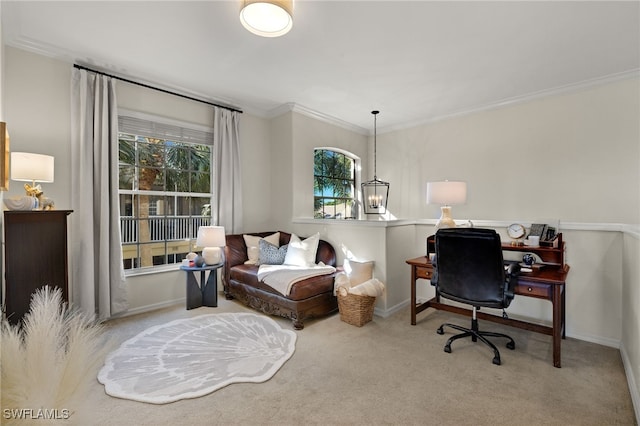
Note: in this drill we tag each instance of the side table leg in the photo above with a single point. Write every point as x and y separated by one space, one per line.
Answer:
210 289
194 295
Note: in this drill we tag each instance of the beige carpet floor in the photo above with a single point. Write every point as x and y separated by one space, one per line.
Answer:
391 373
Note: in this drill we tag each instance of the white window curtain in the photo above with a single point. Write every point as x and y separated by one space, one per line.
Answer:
97 273
228 183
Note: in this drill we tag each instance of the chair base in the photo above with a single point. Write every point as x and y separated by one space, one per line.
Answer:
475 334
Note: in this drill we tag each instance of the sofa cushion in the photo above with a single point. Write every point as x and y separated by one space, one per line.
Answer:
253 248
312 287
245 273
302 253
271 254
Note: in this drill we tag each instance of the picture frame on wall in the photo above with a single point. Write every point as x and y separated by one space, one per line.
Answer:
4 157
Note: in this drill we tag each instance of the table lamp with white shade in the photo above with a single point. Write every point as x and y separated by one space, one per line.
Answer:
28 167
446 194
211 239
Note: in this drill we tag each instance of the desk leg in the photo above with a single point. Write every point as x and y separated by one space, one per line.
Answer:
558 323
413 295
194 294
210 289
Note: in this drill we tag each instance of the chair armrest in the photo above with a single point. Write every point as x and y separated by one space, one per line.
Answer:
513 270
511 279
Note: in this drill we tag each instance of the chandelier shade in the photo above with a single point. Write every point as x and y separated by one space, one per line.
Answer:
375 193
267 18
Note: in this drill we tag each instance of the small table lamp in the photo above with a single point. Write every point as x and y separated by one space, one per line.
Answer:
28 167
446 194
211 238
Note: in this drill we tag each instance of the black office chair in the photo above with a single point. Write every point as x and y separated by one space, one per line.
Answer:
469 268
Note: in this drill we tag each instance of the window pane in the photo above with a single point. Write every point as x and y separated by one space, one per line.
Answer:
127 150
334 183
319 186
201 206
126 177
160 228
200 182
177 180
151 154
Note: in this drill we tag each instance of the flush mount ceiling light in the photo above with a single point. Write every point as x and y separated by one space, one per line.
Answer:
271 18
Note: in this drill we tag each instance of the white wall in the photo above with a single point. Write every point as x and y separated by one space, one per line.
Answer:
573 156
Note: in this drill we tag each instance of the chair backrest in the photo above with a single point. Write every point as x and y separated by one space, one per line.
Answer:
470 267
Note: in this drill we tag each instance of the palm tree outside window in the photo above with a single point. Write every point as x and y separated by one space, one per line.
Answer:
334 183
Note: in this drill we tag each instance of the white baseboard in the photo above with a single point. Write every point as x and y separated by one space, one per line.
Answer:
384 313
633 386
149 308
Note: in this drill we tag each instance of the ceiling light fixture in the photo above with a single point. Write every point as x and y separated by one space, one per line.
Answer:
267 18
375 192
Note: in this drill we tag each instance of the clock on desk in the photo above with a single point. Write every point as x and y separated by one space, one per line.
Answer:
516 232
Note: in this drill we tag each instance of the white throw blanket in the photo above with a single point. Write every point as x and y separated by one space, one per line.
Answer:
283 277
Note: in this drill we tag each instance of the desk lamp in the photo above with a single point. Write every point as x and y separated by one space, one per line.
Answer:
211 238
446 194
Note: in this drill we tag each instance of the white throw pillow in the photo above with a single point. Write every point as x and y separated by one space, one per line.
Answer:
358 272
302 253
253 250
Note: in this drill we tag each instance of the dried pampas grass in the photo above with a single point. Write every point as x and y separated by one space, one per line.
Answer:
47 365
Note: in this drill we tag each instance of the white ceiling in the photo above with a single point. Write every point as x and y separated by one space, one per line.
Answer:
415 61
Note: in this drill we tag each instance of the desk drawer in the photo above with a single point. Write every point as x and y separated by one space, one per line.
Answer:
534 289
425 273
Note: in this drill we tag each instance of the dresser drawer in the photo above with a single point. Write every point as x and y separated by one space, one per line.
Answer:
535 290
425 273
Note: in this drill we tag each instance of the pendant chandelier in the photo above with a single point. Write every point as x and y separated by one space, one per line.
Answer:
375 192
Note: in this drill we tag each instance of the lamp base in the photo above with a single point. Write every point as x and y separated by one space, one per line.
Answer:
212 255
445 221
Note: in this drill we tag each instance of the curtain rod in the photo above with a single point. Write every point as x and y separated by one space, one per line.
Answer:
80 67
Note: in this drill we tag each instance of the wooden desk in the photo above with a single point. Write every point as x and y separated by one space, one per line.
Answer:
546 283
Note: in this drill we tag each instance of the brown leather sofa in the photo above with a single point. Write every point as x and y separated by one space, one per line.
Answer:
309 298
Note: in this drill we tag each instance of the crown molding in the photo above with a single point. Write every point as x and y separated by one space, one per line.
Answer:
556 91
58 53
300 109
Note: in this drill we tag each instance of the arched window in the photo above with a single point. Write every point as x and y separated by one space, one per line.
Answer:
334 184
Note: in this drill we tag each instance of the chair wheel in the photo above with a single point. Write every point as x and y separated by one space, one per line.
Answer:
440 331
511 345
447 349
496 360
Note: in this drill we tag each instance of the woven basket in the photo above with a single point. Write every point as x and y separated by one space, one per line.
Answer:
355 309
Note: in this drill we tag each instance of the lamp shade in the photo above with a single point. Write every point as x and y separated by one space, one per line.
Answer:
30 167
267 18
446 193
211 236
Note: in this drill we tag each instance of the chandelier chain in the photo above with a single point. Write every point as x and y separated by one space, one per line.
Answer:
375 144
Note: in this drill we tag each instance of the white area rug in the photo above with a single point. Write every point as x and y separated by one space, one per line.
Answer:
192 357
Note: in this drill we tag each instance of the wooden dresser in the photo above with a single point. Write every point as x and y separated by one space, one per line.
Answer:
35 256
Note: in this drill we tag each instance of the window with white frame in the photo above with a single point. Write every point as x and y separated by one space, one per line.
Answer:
334 183
165 189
